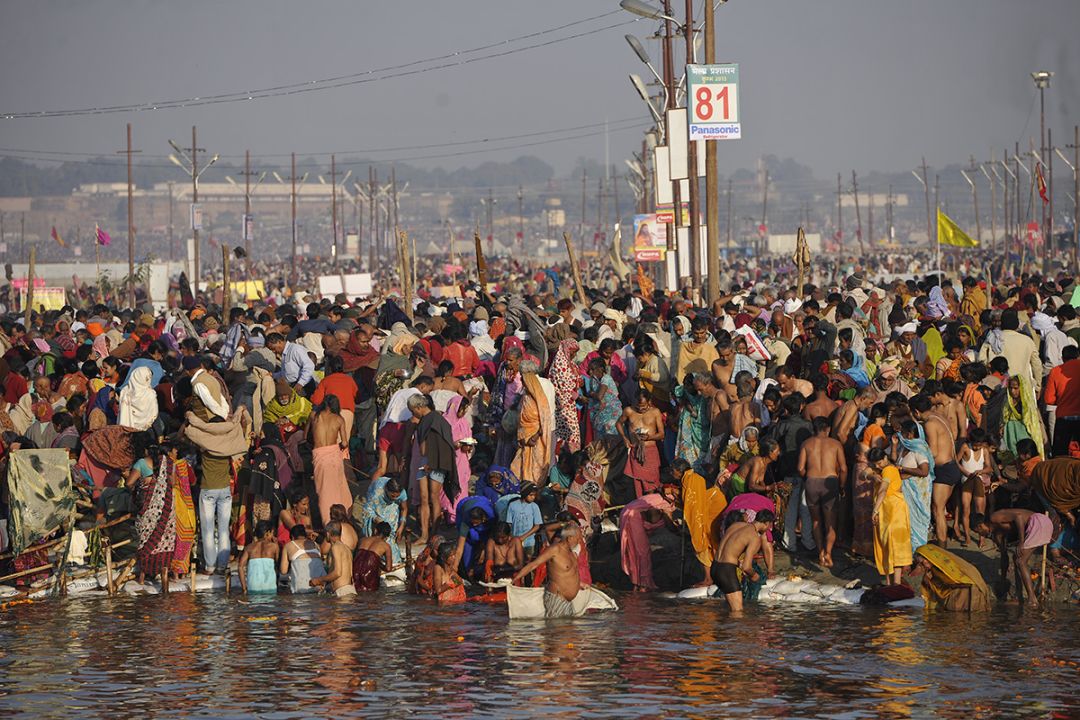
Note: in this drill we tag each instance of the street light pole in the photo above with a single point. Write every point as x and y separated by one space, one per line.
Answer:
691 167
712 176
1042 81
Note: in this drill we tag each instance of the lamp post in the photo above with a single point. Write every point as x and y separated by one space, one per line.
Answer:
1042 81
190 156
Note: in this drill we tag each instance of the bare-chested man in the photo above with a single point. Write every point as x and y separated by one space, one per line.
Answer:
740 544
845 420
329 440
821 405
790 383
750 477
1029 530
641 427
563 577
744 411
339 571
947 474
822 463
723 368
948 405
503 554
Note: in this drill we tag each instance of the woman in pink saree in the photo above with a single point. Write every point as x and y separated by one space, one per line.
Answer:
642 516
460 419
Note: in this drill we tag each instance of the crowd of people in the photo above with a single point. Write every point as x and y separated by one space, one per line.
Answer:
316 444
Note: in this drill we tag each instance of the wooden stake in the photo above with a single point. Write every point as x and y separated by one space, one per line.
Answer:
574 270
406 273
1043 586
226 285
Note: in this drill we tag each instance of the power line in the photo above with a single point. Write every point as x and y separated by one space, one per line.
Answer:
357 78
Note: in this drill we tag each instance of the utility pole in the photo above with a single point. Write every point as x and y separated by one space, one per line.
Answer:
691 167
491 221
889 216
870 218
249 223
930 237
993 199
729 186
1076 195
712 179
333 207
974 198
581 228
764 213
599 235
171 194
839 214
937 208
130 218
669 82
191 154
1050 247
521 217
22 234
1018 215
373 218
858 213
1042 81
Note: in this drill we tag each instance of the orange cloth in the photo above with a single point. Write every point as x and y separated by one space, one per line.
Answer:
341 386
535 419
701 513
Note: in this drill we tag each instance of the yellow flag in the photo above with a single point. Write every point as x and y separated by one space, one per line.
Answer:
949 233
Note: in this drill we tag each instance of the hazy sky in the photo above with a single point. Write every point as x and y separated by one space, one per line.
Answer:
836 84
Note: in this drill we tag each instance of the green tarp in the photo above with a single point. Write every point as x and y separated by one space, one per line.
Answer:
41 494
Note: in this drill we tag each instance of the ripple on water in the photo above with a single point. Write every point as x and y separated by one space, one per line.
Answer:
391 654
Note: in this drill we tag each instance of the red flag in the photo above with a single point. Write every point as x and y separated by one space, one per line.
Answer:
1041 183
56 236
102 237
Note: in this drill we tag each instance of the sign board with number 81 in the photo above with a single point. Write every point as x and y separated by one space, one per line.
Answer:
713 99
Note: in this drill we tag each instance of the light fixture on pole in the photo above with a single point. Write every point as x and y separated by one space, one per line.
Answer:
643 91
645 10
1041 79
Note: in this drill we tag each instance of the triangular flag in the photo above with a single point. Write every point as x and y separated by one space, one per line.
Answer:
949 233
56 236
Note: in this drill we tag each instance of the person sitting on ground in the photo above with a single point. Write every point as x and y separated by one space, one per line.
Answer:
741 542
503 554
258 562
338 575
373 556
301 561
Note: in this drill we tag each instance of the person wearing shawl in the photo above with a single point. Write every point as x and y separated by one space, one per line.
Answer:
481 340
567 380
937 307
916 467
287 405
138 401
460 419
386 502
973 302
155 522
692 439
652 372
502 411
854 366
1020 416
396 365
437 471
1053 340
535 426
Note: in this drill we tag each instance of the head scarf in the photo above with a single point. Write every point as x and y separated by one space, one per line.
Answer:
857 371
565 376
936 305
138 401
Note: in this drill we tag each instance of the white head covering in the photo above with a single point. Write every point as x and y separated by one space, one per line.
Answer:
792 306
911 327
138 401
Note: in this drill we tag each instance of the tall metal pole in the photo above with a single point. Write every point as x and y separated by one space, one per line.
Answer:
292 200
1076 197
712 177
764 213
521 217
194 202
491 221
870 218
1051 246
247 202
937 207
584 200
930 239
889 217
1042 156
333 205
691 166
669 82
171 196
728 220
839 214
131 226
858 213
371 218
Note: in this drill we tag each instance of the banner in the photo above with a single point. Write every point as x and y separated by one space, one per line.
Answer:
51 298
649 242
41 495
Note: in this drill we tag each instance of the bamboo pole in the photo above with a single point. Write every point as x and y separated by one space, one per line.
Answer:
109 587
226 285
1043 585
23 573
406 274
574 270
30 286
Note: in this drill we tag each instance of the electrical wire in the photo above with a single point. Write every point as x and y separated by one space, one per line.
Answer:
357 78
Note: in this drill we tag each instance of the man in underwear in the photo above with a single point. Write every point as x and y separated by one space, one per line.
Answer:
338 573
641 427
1029 530
373 556
822 463
503 554
947 474
326 432
563 578
949 409
740 544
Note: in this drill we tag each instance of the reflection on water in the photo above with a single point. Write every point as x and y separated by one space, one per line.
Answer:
391 654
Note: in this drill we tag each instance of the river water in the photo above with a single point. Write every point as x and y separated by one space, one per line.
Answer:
391 654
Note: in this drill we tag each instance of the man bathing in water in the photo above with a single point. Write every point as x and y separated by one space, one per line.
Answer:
822 463
339 572
563 578
503 554
740 544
